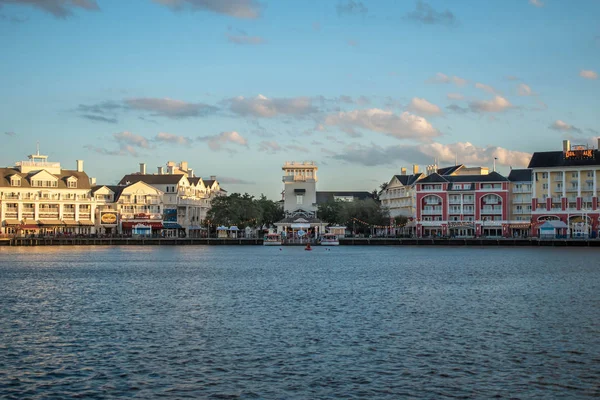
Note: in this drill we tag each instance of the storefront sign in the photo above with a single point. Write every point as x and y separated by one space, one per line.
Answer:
108 218
170 215
579 154
141 216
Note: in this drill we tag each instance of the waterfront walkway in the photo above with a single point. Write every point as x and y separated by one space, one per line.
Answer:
52 241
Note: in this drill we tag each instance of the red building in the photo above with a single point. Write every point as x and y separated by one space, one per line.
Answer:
451 205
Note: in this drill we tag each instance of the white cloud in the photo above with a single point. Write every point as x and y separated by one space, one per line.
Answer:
249 9
562 126
524 90
588 74
455 96
465 152
169 108
261 106
269 146
422 106
537 3
403 126
171 138
217 142
132 139
443 78
296 148
485 88
497 104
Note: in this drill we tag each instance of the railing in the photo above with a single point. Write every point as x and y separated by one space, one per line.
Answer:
468 201
43 215
522 190
299 163
454 201
37 164
11 215
432 212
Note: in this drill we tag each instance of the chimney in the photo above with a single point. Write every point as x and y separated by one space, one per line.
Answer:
79 165
415 169
160 170
183 166
566 146
170 169
190 173
213 177
143 168
92 181
402 171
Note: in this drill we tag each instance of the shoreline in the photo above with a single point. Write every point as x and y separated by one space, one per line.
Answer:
473 242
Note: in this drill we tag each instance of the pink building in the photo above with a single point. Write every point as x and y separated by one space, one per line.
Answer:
450 204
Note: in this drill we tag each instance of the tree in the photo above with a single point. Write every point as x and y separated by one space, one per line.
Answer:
331 211
270 210
235 209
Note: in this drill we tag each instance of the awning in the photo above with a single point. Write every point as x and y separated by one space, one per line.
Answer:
29 226
554 225
12 222
299 190
153 225
86 223
519 226
294 226
171 225
71 223
196 228
50 222
234 228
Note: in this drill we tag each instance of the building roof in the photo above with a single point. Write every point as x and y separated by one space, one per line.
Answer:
194 180
520 175
117 190
433 178
449 170
408 180
548 159
324 197
83 181
150 179
209 182
491 177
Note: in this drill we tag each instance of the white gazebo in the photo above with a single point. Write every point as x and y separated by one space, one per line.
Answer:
222 232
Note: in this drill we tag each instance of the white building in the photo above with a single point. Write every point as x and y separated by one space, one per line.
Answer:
38 196
399 196
185 197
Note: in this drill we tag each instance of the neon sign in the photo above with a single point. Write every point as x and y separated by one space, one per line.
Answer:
579 154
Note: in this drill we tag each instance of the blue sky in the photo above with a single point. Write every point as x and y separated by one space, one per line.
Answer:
237 87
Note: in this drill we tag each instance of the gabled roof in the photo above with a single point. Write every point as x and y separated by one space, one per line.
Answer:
547 159
164 179
520 175
209 182
83 181
449 170
491 177
117 190
324 197
408 180
194 180
433 178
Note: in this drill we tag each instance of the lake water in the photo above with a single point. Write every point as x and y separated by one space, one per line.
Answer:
260 322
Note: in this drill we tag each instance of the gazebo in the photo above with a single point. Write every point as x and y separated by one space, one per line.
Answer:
233 232
222 232
551 229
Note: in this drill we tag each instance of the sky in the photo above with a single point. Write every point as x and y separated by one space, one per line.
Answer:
238 87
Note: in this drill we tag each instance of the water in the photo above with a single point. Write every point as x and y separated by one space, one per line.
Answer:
260 322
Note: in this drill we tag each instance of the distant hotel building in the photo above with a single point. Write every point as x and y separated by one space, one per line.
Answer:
38 196
565 191
399 196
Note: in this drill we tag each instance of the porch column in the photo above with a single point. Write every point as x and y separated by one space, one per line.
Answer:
564 184
548 184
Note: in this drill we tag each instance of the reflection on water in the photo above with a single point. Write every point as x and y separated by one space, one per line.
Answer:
260 322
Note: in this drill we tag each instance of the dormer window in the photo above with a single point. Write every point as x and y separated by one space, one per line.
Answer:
15 181
72 182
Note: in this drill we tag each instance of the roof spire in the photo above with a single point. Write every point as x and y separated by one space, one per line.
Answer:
38 147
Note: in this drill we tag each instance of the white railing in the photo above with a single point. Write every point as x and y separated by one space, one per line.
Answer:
43 164
299 163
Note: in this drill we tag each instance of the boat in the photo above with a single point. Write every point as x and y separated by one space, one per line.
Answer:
272 239
330 239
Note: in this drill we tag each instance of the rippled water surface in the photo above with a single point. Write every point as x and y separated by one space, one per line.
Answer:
260 322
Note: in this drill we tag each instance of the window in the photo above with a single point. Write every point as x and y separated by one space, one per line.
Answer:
15 181
544 186
299 199
573 174
72 184
544 175
590 174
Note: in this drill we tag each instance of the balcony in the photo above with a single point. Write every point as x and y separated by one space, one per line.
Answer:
11 215
491 210
454 211
521 190
48 215
521 201
434 211
454 201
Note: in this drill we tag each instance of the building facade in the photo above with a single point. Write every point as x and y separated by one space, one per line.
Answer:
520 202
462 205
565 189
399 196
40 197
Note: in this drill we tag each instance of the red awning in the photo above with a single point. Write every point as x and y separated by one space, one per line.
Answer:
153 225
29 226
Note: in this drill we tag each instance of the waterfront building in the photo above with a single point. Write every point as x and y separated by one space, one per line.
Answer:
565 190
520 202
185 197
133 209
399 196
39 196
452 203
